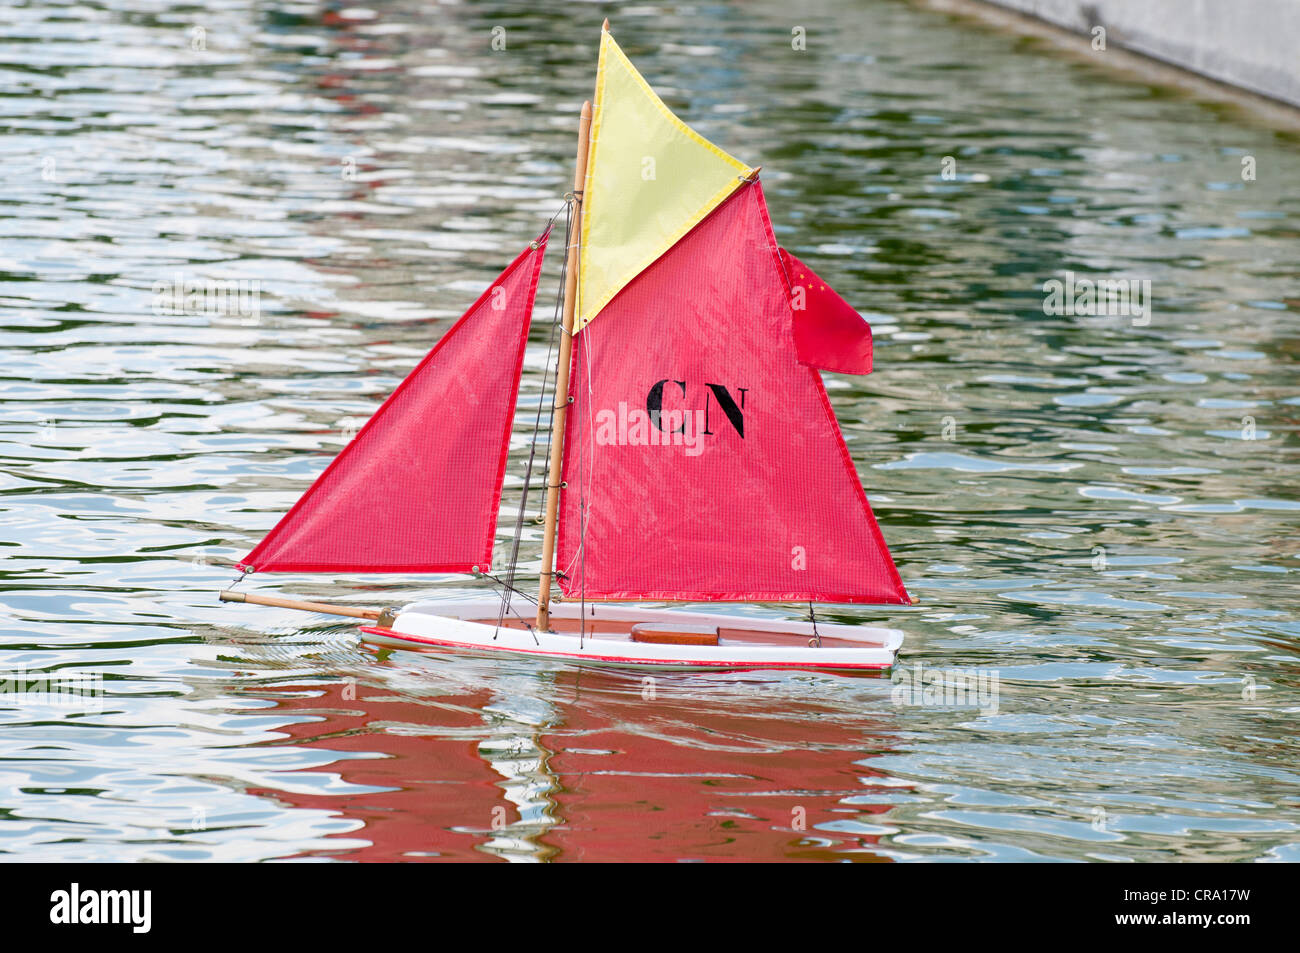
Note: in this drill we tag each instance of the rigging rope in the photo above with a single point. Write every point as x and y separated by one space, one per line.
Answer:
509 581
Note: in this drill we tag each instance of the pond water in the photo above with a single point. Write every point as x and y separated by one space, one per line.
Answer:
1099 511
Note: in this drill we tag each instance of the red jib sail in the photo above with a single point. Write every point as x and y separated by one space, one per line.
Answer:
702 457
418 488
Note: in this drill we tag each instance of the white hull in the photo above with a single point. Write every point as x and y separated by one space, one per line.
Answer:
744 642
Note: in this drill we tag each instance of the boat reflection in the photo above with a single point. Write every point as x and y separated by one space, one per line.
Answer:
579 764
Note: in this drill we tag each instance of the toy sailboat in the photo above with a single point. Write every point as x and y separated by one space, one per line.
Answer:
693 456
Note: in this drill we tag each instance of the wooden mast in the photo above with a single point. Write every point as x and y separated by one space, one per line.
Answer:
562 373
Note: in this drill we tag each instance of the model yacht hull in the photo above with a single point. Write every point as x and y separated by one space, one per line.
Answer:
641 638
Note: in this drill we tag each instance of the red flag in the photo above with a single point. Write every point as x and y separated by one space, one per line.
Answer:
703 458
418 488
828 332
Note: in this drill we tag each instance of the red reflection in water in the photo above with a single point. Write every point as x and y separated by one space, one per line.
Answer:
707 778
436 787
700 771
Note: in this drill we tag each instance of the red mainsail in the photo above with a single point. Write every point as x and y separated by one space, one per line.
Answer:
418 488
702 458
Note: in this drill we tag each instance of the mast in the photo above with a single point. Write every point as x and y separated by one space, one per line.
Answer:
562 399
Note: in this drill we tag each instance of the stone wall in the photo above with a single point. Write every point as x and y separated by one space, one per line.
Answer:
1251 44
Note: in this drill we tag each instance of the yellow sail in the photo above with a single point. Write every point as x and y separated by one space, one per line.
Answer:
650 180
